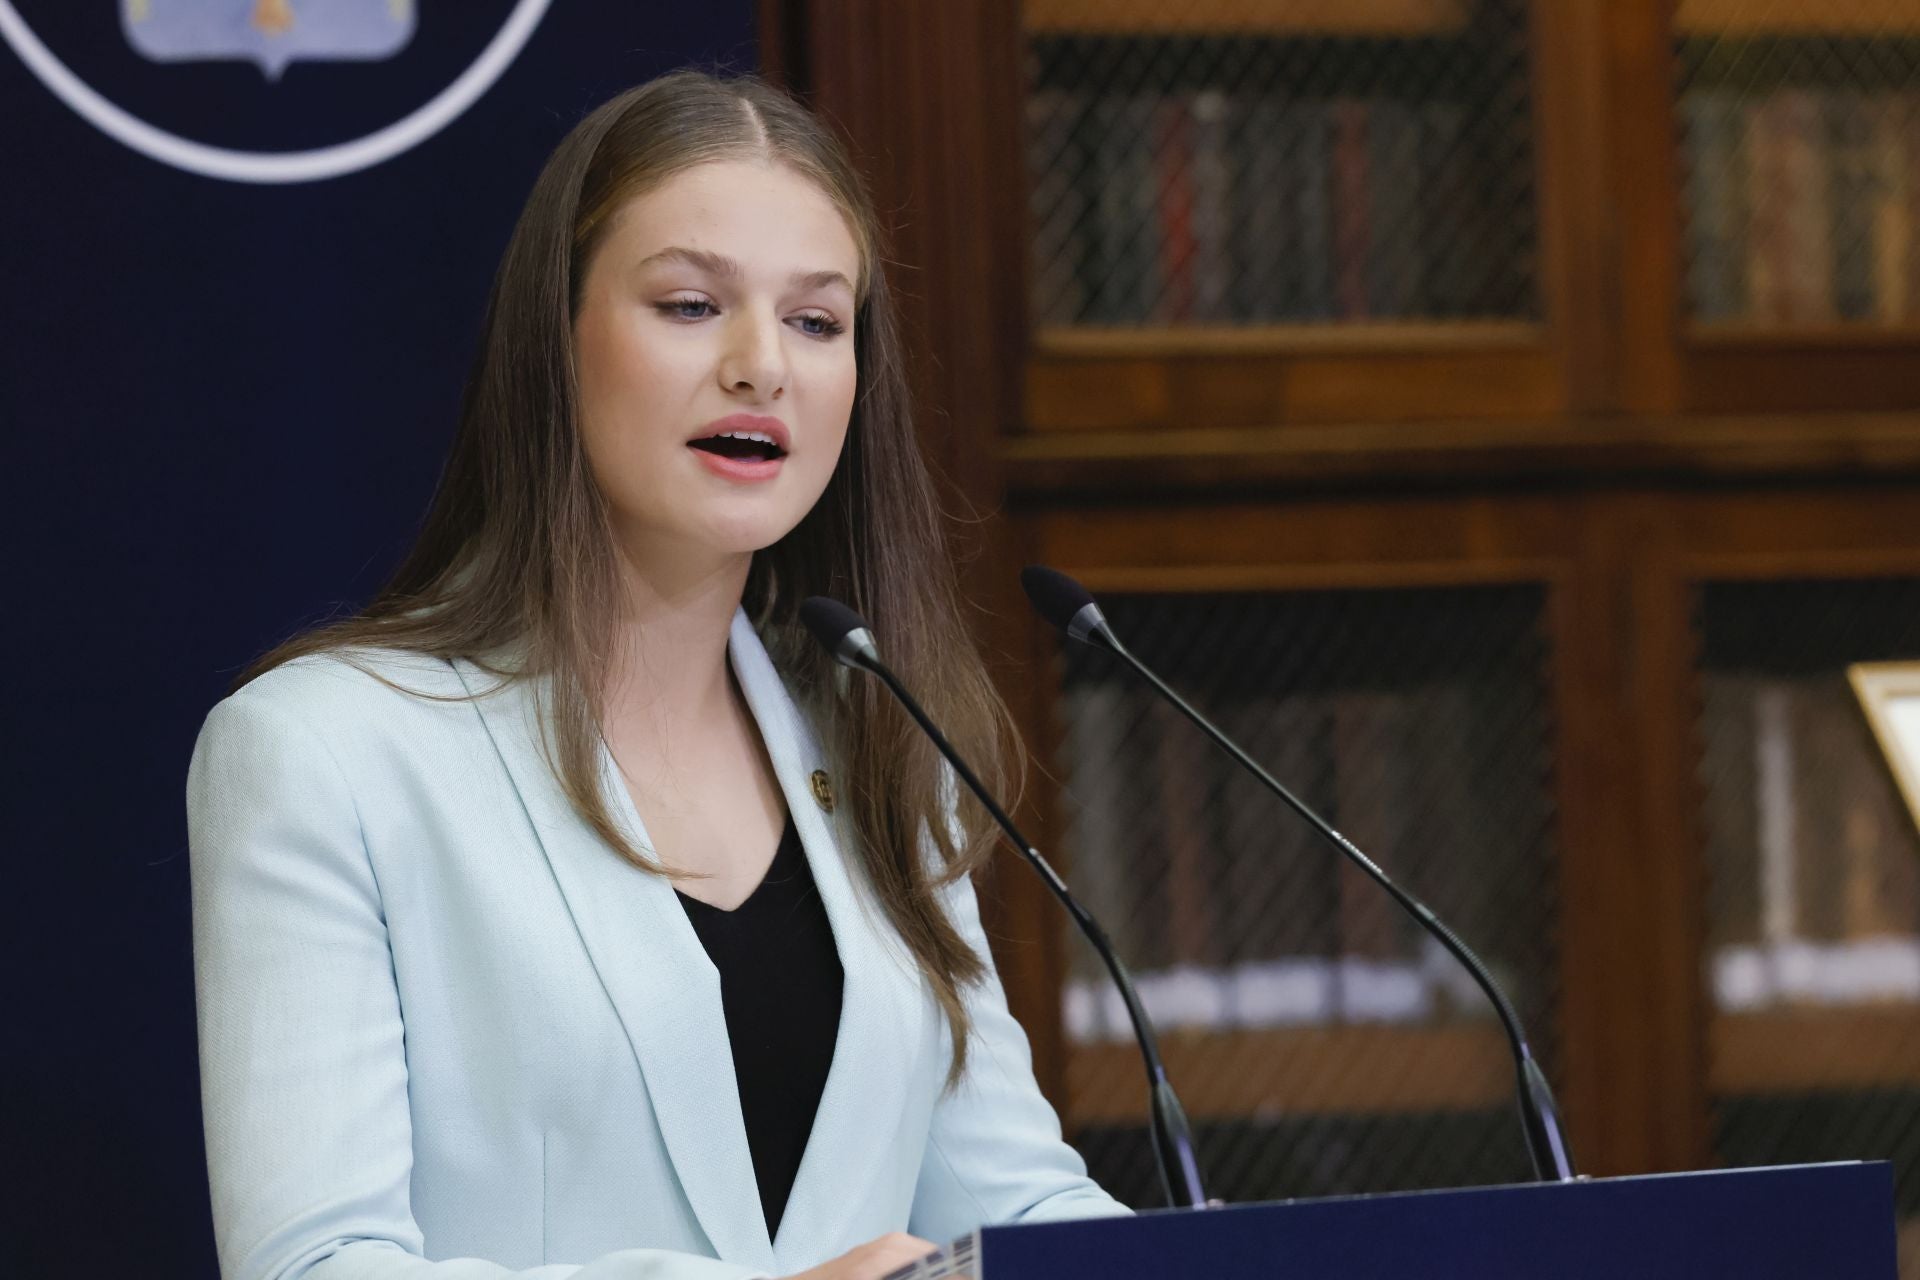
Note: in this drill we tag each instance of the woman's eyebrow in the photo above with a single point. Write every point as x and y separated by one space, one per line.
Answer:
718 264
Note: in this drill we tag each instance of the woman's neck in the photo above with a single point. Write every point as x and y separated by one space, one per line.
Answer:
670 653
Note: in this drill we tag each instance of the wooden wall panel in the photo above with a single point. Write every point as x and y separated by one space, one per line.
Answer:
1576 457
924 93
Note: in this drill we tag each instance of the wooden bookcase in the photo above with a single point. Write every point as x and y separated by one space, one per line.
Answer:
1674 362
1606 450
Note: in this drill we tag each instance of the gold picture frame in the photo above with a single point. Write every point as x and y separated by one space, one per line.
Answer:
1890 694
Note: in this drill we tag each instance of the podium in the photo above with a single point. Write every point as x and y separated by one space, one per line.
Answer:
1799 1222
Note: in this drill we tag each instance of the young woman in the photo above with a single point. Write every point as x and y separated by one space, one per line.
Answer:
563 913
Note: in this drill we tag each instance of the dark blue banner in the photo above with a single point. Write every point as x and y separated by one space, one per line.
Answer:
244 248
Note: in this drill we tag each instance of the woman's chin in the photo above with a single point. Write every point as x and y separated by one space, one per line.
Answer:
746 537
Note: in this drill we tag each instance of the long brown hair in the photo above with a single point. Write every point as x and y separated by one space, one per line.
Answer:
516 554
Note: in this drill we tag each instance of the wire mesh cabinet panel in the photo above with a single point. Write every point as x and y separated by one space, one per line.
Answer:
1813 930
1800 146
1292 162
1320 1042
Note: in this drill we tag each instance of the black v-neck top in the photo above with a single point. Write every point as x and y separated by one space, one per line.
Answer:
780 982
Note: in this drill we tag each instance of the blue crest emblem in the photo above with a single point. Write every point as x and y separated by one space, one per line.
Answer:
269 33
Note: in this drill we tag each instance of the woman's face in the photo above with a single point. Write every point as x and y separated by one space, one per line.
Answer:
714 353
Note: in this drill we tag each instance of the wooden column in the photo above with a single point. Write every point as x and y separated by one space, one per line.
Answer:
926 94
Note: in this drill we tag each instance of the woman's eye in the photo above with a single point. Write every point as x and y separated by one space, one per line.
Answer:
818 324
685 308
815 324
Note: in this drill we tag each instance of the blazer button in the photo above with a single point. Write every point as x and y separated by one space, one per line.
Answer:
822 789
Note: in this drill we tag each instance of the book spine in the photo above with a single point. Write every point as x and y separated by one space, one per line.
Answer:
1310 250
1213 245
1256 216
1058 207
1767 245
1909 116
1717 205
1143 259
1352 237
1106 209
1172 157
1446 247
1850 190
1102 837
1814 875
1778 820
1393 258
1265 853
1892 209
1183 798
1807 239
1371 801
1731 815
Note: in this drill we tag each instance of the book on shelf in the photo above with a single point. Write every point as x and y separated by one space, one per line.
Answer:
1172 135
1451 251
1304 289
1815 875
1903 116
1055 123
1801 205
1212 177
1106 810
1376 789
1185 779
1857 855
1235 206
1351 188
1392 265
1806 156
1232 911
1896 153
1274 885
1730 769
1715 123
1851 197
1281 219
1371 802
1122 256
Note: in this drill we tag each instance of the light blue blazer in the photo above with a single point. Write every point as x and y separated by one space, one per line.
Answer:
446 1032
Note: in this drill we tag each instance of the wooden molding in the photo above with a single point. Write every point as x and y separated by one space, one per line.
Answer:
1815 1049
1460 453
1826 337
1386 1069
1796 18
1273 17
1351 1069
1360 337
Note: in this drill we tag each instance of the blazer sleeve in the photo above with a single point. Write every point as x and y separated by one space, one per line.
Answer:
302 1061
995 1152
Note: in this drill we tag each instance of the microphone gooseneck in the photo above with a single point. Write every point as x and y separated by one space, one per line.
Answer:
1071 607
845 635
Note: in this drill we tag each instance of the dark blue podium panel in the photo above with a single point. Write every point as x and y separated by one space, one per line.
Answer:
1803 1222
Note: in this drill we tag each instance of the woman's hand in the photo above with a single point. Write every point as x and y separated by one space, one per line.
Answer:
871 1261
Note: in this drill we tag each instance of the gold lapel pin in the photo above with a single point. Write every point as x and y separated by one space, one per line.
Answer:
822 789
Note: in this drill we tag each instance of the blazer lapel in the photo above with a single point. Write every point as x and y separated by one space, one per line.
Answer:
657 975
881 1004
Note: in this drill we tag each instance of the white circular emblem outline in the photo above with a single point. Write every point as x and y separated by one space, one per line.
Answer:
265 166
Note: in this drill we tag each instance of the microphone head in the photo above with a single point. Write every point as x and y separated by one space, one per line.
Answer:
1063 602
1054 595
840 631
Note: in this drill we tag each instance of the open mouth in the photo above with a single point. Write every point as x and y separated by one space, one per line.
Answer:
745 446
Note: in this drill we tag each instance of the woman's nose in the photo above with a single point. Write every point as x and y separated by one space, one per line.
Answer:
755 361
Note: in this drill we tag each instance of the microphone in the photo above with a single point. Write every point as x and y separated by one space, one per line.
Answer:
1071 607
845 635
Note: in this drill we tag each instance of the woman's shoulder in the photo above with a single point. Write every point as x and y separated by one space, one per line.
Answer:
351 692
370 730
